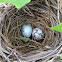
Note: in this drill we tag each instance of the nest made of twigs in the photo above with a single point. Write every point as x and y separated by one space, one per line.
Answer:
37 15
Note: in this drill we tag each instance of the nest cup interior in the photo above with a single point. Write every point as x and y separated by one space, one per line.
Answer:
39 19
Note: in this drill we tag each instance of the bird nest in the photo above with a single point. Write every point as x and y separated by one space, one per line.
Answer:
38 15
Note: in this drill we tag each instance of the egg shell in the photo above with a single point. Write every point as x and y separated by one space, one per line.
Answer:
26 30
37 34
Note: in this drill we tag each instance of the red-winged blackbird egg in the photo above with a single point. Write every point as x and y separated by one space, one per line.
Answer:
37 34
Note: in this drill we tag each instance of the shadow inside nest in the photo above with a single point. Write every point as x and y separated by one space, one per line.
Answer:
37 15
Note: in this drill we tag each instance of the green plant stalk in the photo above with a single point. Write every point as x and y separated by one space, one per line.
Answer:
24 38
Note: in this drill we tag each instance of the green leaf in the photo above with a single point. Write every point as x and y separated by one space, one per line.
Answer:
57 28
61 57
24 38
17 3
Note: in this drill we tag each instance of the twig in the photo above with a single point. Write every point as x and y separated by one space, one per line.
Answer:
8 55
58 14
5 39
28 40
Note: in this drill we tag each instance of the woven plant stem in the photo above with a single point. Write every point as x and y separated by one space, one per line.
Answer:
58 14
19 60
55 55
49 9
5 39
3 11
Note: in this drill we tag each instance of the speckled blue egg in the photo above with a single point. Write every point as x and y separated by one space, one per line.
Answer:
26 30
37 34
